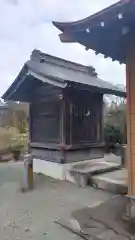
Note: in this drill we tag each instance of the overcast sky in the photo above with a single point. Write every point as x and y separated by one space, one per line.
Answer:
26 24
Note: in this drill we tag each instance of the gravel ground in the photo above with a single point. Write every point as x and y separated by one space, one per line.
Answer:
31 215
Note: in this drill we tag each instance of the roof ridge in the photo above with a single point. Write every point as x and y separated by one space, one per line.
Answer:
44 57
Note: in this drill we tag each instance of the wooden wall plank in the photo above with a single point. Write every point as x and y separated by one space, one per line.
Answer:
45 110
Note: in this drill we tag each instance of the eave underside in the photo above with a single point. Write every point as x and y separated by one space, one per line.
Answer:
108 32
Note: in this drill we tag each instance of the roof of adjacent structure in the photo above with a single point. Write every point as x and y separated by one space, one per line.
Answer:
3 105
91 20
108 32
61 73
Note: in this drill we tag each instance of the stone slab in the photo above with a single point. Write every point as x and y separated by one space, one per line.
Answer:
115 182
95 167
82 173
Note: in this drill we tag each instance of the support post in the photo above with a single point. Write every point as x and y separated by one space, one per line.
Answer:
130 84
28 172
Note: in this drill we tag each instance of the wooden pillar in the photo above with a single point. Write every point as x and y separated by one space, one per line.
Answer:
28 172
62 128
130 84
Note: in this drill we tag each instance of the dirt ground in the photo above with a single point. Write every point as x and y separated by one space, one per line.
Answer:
31 215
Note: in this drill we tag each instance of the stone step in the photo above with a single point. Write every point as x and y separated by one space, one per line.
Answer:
95 167
83 173
115 182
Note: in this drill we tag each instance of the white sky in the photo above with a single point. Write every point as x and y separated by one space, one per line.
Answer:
26 24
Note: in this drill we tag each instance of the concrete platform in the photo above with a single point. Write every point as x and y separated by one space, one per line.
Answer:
115 182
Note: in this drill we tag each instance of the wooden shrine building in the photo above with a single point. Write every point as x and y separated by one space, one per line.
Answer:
111 32
66 106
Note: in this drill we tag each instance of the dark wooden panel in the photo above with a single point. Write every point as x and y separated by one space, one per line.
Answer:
52 146
84 154
45 123
69 155
45 92
86 116
68 117
47 155
45 115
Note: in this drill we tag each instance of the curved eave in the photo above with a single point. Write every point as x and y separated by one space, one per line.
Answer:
86 22
22 73
87 32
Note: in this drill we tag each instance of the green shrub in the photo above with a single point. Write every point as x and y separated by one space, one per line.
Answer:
112 135
12 140
18 140
5 139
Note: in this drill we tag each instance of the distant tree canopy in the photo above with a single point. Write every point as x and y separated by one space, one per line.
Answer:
16 116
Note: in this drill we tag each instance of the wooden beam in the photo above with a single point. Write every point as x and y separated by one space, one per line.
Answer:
67 38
